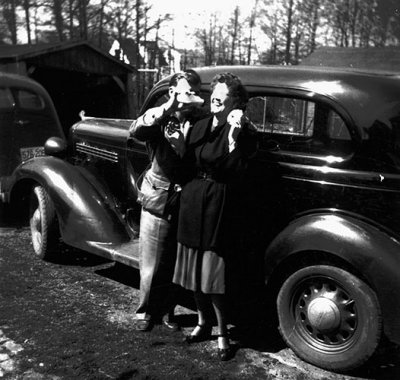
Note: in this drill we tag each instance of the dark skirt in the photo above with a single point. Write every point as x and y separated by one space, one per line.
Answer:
199 270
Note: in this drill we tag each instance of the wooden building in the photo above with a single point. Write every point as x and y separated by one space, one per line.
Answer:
78 76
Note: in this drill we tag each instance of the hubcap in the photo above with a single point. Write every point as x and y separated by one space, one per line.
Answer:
325 312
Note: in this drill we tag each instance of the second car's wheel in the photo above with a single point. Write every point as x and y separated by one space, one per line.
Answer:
329 317
43 223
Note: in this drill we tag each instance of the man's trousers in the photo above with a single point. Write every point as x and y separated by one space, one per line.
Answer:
157 250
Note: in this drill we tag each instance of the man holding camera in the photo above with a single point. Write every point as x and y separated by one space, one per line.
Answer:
164 129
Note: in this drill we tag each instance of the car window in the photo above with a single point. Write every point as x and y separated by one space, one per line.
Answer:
299 125
29 100
6 98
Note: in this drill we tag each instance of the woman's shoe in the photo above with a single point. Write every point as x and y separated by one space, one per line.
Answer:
203 333
224 353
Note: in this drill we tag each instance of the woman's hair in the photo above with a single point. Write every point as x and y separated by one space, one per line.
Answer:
236 89
190 75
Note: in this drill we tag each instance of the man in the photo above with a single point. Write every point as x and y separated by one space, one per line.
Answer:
164 129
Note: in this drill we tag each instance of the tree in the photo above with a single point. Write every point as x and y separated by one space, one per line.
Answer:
27 5
36 7
10 17
306 20
252 21
272 25
58 18
388 17
234 33
207 38
293 27
101 21
83 19
222 52
289 30
138 15
4 28
309 14
353 23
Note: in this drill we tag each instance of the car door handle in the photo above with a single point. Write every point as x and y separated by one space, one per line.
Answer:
21 123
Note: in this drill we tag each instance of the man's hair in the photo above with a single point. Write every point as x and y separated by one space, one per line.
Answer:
236 89
190 75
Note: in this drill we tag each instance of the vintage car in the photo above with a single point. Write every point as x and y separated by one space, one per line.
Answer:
323 202
27 119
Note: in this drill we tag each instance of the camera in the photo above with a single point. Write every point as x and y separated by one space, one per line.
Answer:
172 125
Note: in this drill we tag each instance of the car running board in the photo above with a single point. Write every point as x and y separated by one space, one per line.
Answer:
125 253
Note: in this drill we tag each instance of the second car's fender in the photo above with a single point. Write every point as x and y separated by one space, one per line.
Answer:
84 207
371 252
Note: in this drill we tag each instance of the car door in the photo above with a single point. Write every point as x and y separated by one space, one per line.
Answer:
304 147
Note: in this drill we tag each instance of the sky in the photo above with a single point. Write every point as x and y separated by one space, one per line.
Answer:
191 14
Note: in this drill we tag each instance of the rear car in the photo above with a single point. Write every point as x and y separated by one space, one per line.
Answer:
27 119
321 215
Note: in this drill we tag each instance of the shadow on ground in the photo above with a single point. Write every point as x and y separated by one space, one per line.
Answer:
253 323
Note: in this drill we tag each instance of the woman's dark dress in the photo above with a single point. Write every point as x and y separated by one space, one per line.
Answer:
207 204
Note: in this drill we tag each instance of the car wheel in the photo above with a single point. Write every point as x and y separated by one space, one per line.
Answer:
329 317
43 223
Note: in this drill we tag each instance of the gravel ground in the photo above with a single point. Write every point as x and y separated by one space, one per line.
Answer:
73 319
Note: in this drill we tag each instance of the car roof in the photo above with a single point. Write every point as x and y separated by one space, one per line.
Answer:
16 80
364 95
300 75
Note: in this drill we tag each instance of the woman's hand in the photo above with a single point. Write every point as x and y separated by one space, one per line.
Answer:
235 121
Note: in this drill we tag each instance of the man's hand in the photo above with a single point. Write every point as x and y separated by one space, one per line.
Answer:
177 141
172 104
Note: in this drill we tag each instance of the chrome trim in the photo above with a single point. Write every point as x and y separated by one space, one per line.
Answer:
97 152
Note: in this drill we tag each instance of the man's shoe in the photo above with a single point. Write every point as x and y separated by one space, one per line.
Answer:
170 326
144 325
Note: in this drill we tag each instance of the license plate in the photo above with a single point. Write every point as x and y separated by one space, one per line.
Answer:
34 151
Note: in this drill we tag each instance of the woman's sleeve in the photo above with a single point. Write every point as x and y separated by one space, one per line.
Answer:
233 166
188 161
247 140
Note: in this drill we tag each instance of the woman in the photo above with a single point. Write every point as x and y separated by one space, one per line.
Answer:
218 147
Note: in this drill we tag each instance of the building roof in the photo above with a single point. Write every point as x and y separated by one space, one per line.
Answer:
372 58
65 51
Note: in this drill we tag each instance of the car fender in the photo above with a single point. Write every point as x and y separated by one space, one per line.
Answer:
85 209
372 252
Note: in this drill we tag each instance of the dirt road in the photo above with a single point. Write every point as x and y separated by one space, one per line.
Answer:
73 319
